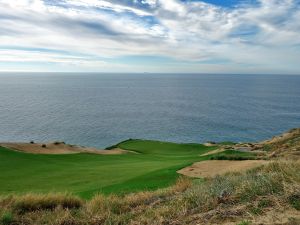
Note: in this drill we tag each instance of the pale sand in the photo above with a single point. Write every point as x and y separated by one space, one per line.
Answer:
212 168
213 152
61 148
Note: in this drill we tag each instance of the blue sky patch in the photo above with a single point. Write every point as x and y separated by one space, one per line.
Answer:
229 3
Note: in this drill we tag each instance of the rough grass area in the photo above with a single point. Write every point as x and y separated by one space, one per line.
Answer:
233 155
88 174
33 202
286 145
237 197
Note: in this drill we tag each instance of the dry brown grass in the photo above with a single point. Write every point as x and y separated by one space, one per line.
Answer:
36 202
286 145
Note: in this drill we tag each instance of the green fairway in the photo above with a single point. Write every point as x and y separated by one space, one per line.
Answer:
154 166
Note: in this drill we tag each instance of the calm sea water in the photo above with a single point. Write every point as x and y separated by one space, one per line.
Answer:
103 109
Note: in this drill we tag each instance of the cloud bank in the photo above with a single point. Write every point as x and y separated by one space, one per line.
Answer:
260 36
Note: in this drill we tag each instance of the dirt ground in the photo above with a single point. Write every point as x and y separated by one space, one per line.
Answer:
58 148
212 168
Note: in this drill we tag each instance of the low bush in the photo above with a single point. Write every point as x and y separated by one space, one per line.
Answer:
232 157
33 202
59 143
6 218
294 200
244 222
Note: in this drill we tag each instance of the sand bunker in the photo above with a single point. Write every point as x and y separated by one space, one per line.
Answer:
212 168
58 148
213 152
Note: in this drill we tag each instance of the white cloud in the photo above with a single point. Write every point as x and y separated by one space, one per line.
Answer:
151 3
264 36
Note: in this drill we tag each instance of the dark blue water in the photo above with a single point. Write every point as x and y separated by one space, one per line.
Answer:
103 109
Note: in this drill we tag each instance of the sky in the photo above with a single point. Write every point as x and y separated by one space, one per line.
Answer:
155 36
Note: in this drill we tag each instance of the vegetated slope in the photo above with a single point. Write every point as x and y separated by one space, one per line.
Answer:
86 174
286 145
266 195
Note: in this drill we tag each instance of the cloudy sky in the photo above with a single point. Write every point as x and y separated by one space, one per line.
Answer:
209 36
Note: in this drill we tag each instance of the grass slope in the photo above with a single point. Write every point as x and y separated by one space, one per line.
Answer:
265 195
86 174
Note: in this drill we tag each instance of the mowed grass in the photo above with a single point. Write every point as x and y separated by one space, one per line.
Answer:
234 197
154 166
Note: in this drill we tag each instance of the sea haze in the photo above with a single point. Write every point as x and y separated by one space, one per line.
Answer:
103 109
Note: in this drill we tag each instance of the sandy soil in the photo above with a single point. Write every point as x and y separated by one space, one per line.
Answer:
212 168
209 144
59 148
213 152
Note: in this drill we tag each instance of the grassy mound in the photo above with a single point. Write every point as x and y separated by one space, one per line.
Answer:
88 174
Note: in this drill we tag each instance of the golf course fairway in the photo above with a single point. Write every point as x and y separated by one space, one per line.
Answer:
150 166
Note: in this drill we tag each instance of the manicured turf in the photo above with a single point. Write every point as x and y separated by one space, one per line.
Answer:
153 167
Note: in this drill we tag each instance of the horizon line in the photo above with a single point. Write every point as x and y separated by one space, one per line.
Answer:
179 73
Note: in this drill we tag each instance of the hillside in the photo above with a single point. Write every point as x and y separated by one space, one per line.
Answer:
268 194
86 174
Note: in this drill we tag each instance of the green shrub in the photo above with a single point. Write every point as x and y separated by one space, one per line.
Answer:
6 218
226 143
244 222
255 210
294 201
267 148
264 203
232 157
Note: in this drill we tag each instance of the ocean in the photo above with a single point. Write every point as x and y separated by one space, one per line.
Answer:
103 109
